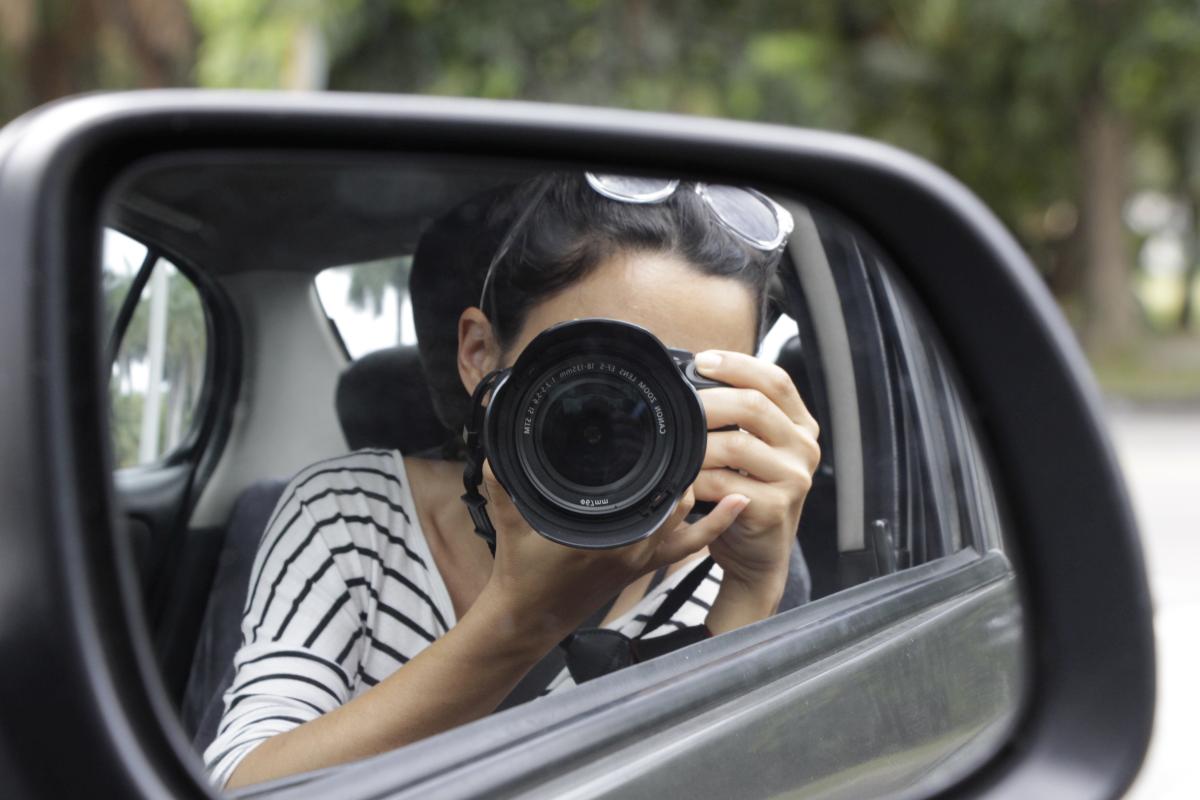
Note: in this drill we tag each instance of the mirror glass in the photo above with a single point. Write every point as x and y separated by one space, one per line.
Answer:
691 408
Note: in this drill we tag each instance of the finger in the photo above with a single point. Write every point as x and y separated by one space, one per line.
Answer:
713 484
687 539
741 450
746 371
681 511
500 506
749 409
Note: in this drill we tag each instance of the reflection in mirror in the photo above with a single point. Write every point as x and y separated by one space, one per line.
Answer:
678 409
157 334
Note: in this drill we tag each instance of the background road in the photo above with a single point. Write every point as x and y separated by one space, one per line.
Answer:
1160 452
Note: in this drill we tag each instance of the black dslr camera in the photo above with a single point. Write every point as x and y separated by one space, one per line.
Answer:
596 431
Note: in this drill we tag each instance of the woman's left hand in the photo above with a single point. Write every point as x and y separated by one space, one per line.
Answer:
771 459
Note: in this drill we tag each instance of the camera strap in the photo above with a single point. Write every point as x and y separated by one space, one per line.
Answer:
593 651
473 471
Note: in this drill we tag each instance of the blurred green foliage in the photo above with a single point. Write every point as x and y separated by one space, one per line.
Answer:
1002 94
183 364
1054 111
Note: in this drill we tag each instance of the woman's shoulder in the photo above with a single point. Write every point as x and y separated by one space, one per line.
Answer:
355 506
368 469
361 498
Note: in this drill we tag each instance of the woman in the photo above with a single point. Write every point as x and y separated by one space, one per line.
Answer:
373 607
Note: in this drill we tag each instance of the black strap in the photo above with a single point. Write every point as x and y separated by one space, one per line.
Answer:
535 682
592 652
473 470
678 595
659 574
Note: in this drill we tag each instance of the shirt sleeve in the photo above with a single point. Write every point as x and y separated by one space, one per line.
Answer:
301 637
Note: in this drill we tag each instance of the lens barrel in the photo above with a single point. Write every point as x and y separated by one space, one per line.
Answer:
596 432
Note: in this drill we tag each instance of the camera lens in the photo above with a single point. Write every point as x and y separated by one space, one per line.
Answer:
595 432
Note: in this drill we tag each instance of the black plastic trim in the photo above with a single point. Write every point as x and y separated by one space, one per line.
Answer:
129 303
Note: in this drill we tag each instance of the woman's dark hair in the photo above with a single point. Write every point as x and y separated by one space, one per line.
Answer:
563 230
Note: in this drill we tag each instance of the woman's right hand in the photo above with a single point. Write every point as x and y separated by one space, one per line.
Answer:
550 589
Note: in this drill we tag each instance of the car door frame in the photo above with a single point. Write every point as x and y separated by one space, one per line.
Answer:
180 561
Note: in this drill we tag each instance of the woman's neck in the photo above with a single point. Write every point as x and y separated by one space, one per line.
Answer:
461 557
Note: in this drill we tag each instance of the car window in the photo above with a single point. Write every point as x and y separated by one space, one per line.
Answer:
924 489
368 304
313 495
370 307
159 360
948 499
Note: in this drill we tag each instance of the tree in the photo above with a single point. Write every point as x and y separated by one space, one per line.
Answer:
185 353
53 48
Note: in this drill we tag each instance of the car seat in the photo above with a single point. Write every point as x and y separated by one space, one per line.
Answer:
382 402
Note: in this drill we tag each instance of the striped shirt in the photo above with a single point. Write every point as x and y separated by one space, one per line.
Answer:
343 592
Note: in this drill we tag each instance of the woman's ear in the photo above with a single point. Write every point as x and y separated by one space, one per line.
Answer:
478 350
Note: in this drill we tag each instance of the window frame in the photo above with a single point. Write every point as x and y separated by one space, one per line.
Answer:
206 406
973 505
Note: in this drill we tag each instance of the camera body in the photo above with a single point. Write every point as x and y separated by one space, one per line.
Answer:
596 432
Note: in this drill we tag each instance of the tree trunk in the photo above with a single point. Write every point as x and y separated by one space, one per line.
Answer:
1110 321
64 46
150 438
177 398
1186 143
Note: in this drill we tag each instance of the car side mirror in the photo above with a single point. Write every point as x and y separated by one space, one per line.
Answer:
78 677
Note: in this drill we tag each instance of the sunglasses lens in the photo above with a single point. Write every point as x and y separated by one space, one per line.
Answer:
746 214
632 189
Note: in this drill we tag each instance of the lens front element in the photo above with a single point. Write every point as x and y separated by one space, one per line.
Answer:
595 431
595 436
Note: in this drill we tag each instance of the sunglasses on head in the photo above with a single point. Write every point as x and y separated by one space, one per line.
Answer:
748 214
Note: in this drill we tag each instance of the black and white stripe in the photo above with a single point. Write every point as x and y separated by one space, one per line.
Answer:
343 592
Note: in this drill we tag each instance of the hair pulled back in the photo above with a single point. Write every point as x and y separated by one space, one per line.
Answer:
563 230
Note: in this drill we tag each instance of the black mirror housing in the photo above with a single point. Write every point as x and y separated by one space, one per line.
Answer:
71 647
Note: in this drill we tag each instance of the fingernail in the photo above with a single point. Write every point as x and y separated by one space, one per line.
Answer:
740 503
708 360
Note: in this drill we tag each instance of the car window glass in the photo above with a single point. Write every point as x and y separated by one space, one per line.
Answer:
369 304
123 257
782 331
948 500
158 367
925 489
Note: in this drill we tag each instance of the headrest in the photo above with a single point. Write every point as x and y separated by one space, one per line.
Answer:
791 357
382 401
795 362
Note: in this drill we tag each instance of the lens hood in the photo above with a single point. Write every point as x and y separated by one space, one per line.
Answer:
595 432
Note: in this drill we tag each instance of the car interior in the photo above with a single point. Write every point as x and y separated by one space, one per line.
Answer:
281 391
